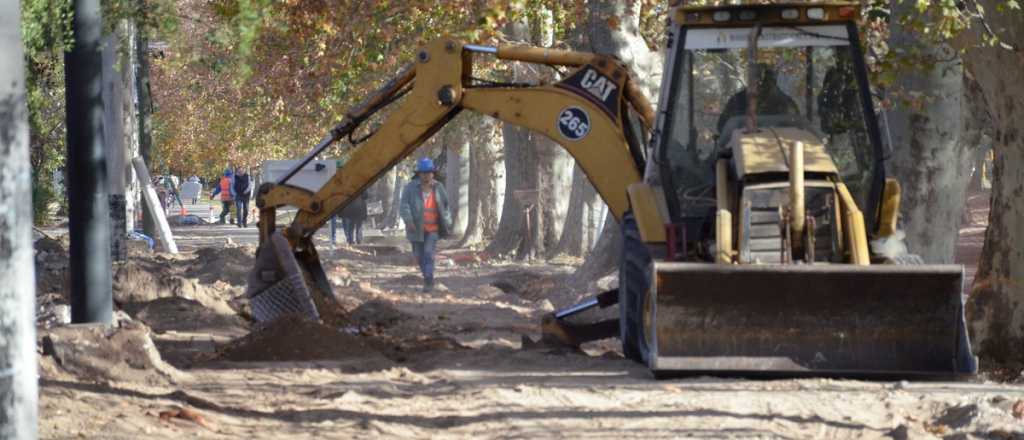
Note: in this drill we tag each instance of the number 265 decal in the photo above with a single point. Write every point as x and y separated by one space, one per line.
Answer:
573 123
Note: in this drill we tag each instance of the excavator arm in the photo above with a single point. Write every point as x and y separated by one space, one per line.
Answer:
587 113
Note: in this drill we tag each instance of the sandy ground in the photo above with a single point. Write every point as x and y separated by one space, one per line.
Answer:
445 364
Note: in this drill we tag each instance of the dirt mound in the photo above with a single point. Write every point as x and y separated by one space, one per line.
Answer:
293 338
99 353
528 285
142 280
377 313
229 264
182 314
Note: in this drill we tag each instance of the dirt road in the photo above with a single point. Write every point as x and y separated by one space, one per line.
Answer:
447 364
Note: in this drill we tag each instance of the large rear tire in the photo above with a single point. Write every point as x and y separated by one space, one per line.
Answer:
634 276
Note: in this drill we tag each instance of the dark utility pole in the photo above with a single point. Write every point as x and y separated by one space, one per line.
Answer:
18 381
87 170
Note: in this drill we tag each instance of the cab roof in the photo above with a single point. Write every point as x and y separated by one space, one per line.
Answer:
744 15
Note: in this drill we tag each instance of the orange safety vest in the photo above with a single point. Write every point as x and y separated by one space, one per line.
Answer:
430 213
225 188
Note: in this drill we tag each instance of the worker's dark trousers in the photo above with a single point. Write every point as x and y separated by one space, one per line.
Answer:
424 252
242 211
225 209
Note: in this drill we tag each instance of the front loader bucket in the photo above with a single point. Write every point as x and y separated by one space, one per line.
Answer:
285 283
796 320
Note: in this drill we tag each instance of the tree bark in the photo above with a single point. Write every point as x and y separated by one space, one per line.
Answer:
144 109
604 258
929 158
458 178
392 219
486 180
521 174
578 232
116 151
18 380
383 191
996 305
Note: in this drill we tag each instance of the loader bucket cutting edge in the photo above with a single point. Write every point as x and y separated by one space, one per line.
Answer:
797 320
283 283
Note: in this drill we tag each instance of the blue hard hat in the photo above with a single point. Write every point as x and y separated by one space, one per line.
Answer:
227 172
425 165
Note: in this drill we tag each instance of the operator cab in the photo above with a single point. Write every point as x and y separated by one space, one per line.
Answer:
809 75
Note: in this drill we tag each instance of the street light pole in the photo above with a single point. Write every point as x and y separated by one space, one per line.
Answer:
89 207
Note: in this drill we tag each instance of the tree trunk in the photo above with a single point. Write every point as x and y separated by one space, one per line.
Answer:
392 219
521 177
116 151
144 109
604 259
929 159
383 191
486 179
624 41
578 232
132 189
458 179
18 383
996 306
558 176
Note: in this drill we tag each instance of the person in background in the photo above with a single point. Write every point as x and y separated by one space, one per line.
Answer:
226 189
243 192
352 218
195 179
424 209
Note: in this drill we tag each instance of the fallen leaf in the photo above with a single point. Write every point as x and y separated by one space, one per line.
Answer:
613 22
1018 409
186 414
936 429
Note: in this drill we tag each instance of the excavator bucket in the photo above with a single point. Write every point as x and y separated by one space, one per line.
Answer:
794 320
285 283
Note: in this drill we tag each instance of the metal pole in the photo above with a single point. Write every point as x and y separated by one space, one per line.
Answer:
19 390
87 170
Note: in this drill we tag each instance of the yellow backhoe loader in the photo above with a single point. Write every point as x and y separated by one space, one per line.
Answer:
758 224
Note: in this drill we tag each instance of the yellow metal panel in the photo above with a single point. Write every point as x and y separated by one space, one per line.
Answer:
723 237
856 237
602 153
890 208
286 195
722 184
767 151
543 55
649 218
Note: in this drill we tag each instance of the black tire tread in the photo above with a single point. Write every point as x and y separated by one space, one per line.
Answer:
633 284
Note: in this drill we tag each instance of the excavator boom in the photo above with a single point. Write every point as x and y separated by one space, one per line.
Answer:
586 113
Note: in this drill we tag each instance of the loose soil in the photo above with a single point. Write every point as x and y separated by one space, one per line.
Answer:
451 363
294 338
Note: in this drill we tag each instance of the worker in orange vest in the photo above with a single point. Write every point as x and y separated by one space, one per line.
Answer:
424 209
226 189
